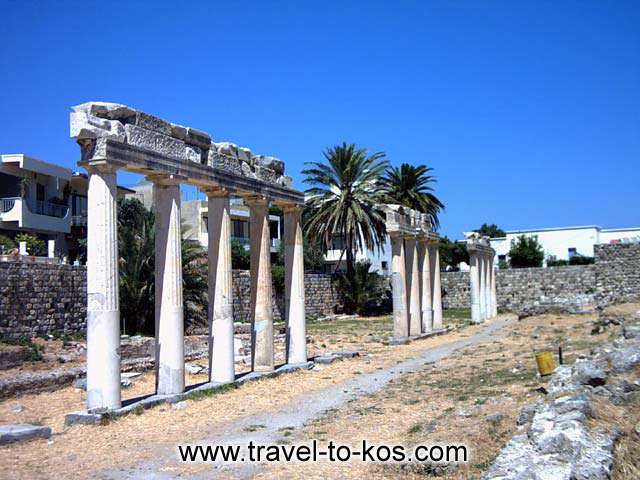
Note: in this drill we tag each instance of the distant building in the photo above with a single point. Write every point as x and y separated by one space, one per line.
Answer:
195 215
565 242
43 199
380 260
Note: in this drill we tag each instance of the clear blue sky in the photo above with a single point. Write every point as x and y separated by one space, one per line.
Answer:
528 112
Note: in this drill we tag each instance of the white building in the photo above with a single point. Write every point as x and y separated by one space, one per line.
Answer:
43 199
380 261
195 215
565 242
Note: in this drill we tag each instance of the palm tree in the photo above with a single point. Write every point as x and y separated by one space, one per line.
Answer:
412 187
343 200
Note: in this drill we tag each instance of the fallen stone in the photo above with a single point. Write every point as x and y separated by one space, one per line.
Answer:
18 409
587 372
179 405
495 418
22 432
193 368
631 331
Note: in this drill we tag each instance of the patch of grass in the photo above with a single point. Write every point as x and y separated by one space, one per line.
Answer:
34 351
417 428
254 428
202 394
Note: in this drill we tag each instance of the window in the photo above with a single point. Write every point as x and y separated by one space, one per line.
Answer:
572 252
240 228
385 265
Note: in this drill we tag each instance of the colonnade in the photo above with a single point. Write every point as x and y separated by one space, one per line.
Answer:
103 315
482 277
415 284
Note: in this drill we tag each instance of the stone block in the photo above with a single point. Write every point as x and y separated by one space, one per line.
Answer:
198 138
22 432
149 122
156 142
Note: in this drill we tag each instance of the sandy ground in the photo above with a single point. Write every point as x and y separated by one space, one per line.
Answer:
446 401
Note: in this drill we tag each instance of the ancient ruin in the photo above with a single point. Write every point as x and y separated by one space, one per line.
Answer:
482 276
415 273
113 136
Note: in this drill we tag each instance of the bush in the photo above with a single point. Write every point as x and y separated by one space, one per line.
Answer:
240 258
526 252
35 246
581 260
6 244
552 261
277 278
364 293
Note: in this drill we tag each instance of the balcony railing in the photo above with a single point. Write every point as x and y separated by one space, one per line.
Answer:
7 204
49 209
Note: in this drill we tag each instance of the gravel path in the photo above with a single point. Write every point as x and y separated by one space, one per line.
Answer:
266 428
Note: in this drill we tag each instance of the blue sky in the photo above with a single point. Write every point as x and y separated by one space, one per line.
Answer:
529 112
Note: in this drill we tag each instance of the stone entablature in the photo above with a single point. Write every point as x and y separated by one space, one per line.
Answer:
137 141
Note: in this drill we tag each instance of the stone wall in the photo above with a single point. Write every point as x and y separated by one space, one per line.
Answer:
320 297
526 287
617 273
39 299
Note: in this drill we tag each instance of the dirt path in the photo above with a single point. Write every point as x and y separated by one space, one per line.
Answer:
268 427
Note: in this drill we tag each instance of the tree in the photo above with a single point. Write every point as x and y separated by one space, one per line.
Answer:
526 252
412 187
240 257
361 291
491 231
452 253
136 249
344 200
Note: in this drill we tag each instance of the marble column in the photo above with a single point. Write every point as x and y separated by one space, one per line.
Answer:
398 287
474 278
103 313
221 359
294 285
494 296
261 288
436 294
413 285
168 277
482 276
425 286
487 292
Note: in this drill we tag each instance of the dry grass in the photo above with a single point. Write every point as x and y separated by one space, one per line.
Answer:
421 407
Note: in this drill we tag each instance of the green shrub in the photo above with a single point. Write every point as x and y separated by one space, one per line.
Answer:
552 261
364 293
578 259
240 258
35 246
6 244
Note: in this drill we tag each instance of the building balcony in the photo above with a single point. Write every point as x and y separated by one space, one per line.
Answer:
38 216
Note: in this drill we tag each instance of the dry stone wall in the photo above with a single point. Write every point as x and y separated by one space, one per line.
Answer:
570 287
39 299
617 273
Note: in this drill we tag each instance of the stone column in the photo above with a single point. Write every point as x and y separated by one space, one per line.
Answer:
425 286
294 285
413 286
168 276
436 294
482 274
221 360
51 249
474 278
494 296
487 292
398 286
103 313
261 288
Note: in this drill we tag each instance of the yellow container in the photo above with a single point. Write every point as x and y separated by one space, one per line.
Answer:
546 363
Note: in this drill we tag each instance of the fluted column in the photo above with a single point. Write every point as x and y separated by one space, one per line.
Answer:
413 286
294 285
425 286
221 361
436 294
494 294
481 273
474 279
398 287
487 292
103 313
168 276
261 288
